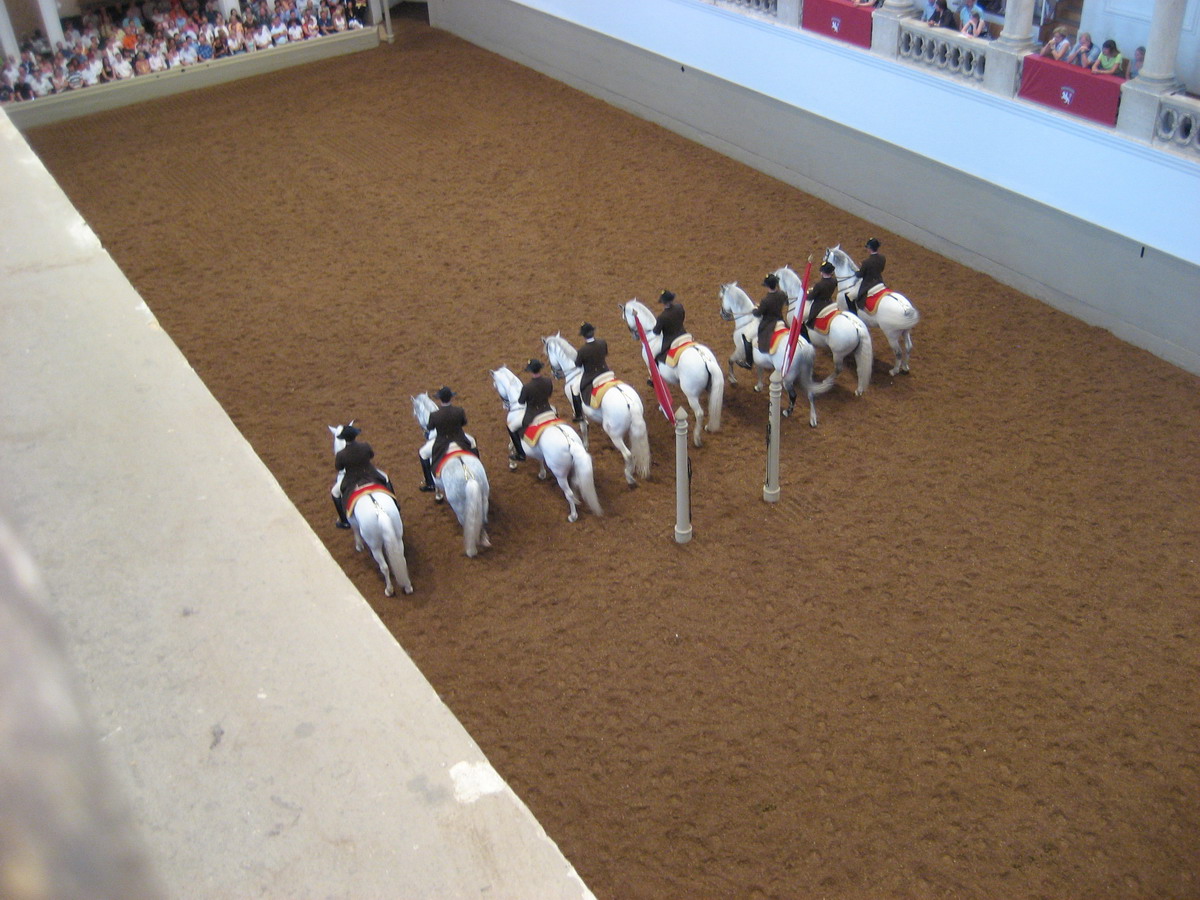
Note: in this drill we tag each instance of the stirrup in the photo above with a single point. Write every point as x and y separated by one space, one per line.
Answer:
425 488
340 524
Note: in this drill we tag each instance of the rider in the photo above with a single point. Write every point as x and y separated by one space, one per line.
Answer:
820 295
770 312
871 273
593 358
535 394
355 469
447 421
669 323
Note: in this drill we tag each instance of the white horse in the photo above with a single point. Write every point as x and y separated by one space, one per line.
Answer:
462 480
559 447
695 371
895 316
847 333
620 414
375 520
736 306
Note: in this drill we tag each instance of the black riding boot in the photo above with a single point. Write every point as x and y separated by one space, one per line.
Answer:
518 453
749 362
342 521
852 305
427 471
804 332
577 402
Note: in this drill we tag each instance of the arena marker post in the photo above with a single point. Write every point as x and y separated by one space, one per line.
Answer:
683 480
771 486
388 34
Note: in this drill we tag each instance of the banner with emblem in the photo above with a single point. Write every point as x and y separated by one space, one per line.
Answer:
660 387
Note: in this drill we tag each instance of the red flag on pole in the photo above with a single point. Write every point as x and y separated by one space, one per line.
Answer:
660 387
797 322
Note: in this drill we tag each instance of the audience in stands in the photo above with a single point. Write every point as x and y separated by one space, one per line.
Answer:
941 17
1084 53
975 27
1110 61
1139 60
1059 44
112 45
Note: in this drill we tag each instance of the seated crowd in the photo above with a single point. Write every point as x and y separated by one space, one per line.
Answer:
1106 59
107 45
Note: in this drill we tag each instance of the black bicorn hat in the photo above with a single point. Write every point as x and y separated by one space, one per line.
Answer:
534 366
587 329
827 268
445 394
349 433
771 281
666 297
872 243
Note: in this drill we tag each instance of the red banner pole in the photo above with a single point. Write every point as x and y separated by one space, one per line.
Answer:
660 387
797 322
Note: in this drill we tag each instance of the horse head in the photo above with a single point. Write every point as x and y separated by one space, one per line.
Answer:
734 301
559 353
843 265
339 442
507 385
423 406
790 282
632 312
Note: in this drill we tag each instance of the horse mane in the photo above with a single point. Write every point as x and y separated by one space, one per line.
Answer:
838 256
639 308
563 345
423 405
505 381
734 286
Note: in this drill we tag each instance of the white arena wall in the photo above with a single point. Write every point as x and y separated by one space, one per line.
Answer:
1091 222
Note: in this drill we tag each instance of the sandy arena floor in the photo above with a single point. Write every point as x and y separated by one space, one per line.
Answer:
959 658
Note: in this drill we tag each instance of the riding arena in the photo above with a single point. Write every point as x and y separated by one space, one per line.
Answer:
957 658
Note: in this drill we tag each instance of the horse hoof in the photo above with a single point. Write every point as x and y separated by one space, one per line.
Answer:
758 388
573 517
787 413
408 589
485 543
438 498
512 465
389 592
904 370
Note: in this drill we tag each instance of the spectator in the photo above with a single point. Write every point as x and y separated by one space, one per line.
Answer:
325 19
295 31
941 16
237 34
339 18
975 27
1110 61
262 37
204 49
1059 44
141 63
278 32
1084 53
1139 60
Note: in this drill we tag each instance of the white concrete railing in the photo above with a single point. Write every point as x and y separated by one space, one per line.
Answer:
762 7
1178 124
944 50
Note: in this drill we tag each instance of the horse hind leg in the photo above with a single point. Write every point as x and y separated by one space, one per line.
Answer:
565 485
385 570
895 341
698 412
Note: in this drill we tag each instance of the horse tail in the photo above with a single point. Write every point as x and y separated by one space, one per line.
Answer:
716 390
393 548
639 442
864 354
473 518
581 470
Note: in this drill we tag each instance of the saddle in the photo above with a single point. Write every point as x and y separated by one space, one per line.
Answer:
362 491
541 422
824 317
452 451
678 345
874 295
600 386
778 337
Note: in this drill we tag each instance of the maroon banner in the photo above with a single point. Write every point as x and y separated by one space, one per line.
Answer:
1070 89
839 19
660 387
797 322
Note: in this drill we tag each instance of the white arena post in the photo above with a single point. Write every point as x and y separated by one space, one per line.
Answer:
771 487
683 480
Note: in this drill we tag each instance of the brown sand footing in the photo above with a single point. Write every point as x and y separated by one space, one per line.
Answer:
959 658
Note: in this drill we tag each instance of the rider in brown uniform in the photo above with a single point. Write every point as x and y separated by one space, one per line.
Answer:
447 422
669 323
871 273
593 358
770 312
535 394
355 469
820 295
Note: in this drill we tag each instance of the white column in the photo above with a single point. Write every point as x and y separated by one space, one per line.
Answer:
787 12
1140 97
683 480
771 482
51 23
8 37
1162 46
885 26
1004 55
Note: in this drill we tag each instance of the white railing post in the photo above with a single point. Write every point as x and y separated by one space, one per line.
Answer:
771 486
683 480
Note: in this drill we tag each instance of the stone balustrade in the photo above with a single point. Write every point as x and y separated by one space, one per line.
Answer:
942 49
1177 125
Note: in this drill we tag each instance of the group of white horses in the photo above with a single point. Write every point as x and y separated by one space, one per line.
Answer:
560 450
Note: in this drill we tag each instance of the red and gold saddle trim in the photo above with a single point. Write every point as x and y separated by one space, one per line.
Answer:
778 337
450 454
824 317
600 386
534 432
874 295
678 345
361 492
